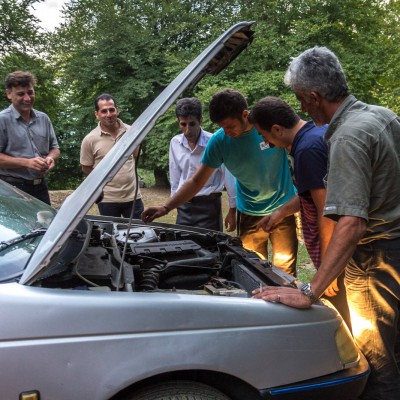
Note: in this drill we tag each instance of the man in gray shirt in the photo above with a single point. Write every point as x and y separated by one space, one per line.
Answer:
363 197
28 144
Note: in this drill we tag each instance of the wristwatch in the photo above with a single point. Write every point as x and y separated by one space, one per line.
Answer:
306 290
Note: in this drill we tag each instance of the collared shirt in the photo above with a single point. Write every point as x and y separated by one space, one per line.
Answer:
184 162
19 138
94 147
263 179
364 167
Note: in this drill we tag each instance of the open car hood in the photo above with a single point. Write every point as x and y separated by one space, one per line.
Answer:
211 61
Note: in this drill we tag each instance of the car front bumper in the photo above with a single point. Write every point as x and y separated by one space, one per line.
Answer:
345 385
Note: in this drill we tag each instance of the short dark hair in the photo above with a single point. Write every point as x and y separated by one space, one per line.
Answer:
273 111
227 103
104 96
19 78
189 106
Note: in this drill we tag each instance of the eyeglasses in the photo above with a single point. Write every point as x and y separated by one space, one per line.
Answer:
191 123
111 110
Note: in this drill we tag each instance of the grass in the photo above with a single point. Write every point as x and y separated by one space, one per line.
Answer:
305 267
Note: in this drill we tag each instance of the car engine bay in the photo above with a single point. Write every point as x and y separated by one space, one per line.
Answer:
106 255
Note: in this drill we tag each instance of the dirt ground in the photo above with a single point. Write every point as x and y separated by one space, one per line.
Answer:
151 197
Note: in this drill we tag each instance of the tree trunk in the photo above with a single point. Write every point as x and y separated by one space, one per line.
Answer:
161 179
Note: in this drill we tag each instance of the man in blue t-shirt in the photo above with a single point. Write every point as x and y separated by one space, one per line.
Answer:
280 126
263 180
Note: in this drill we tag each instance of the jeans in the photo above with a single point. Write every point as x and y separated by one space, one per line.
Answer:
121 209
283 239
373 293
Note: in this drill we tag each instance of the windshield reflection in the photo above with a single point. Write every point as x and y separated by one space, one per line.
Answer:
20 214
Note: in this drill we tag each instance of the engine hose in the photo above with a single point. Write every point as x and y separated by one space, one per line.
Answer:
150 278
195 262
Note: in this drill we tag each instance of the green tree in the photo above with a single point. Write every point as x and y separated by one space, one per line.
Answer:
23 47
19 30
106 48
133 49
364 34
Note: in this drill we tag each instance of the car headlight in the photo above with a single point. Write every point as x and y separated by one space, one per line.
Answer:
347 349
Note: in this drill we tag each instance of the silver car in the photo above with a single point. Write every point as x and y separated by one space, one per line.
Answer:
96 308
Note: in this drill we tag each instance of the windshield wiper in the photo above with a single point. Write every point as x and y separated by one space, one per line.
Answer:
34 233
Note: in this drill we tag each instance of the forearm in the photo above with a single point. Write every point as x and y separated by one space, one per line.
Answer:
289 208
7 161
190 188
346 234
325 231
54 153
184 194
86 169
325 225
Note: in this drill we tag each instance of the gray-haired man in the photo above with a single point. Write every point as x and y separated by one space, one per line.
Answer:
363 197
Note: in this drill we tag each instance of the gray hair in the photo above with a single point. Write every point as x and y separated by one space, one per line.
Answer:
318 70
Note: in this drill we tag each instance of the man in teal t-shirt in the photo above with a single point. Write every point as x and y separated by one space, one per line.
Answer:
263 180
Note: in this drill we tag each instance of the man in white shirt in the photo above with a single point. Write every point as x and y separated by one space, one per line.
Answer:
185 153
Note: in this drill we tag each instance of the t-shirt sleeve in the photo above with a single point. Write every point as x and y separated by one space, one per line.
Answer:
86 155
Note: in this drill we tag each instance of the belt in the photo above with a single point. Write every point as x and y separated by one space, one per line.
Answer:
210 197
12 179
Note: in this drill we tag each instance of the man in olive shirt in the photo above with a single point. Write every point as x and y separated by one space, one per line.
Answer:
363 197
28 144
120 195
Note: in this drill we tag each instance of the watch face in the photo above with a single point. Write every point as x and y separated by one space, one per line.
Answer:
306 289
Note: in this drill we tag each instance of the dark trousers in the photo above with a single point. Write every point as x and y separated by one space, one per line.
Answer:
202 212
373 291
40 190
121 209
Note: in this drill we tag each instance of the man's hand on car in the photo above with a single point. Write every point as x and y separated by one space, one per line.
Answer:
285 295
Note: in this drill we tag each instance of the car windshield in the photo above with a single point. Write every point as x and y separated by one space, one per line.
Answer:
23 221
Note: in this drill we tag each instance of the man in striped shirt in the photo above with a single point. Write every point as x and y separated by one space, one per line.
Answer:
280 126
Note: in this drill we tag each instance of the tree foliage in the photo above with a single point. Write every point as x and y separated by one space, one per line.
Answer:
133 49
19 30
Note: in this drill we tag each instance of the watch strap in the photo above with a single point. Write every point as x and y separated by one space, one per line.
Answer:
306 290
